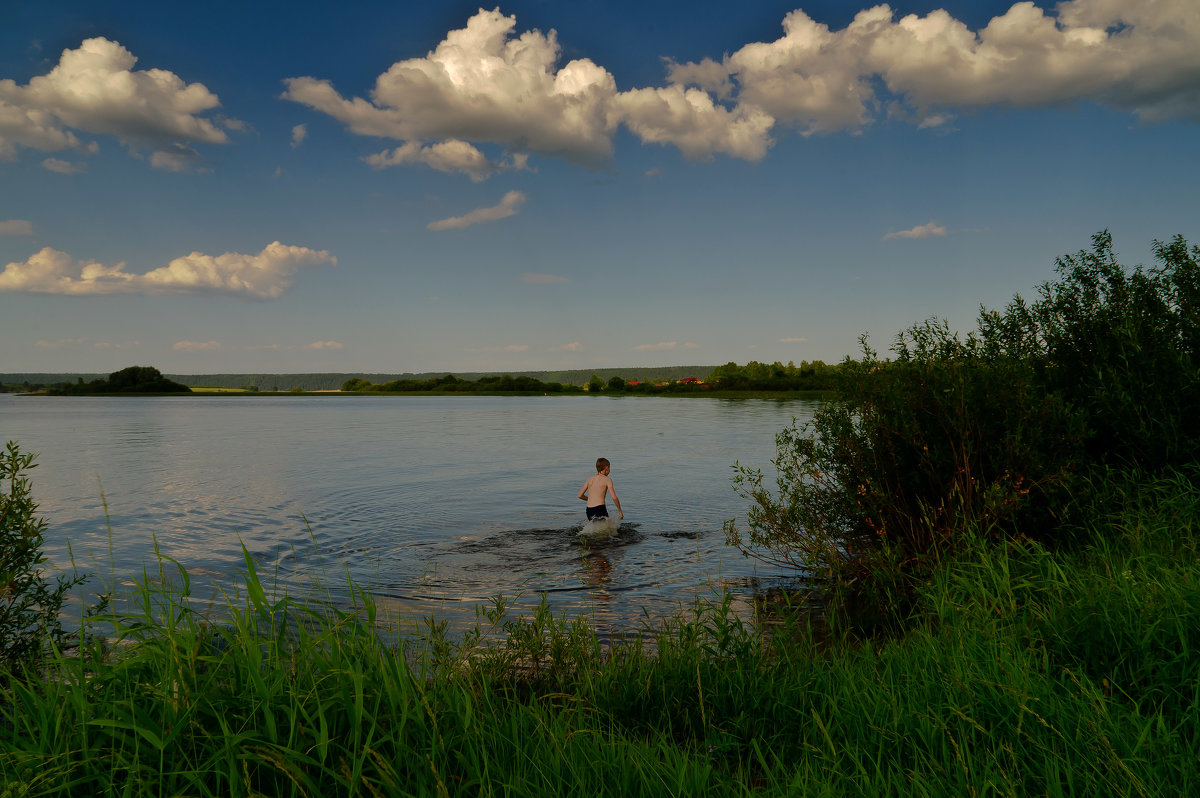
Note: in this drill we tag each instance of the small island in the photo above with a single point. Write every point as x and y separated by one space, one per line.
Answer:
134 379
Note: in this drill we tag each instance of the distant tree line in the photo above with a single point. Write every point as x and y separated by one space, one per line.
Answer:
134 379
753 376
24 386
451 384
326 381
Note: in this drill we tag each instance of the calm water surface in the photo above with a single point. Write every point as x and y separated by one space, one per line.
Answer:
432 504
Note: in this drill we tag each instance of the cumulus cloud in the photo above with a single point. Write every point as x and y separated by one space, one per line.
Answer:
299 134
516 348
488 83
323 345
1140 57
930 230
792 340
63 167
16 227
691 121
95 89
445 156
542 279
197 346
263 276
507 207
482 84
574 346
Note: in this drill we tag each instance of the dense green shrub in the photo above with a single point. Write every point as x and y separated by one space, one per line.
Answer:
995 427
29 602
1124 346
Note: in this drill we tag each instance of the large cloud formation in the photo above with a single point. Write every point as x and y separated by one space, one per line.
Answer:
485 83
263 276
94 89
1136 55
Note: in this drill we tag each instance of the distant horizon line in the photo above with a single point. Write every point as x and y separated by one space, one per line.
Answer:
364 373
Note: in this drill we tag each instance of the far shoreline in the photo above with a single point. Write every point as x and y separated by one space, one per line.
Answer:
237 392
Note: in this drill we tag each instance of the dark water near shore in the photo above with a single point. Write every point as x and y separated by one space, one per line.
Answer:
432 504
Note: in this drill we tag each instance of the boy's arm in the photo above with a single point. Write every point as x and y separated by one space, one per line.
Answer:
583 491
616 501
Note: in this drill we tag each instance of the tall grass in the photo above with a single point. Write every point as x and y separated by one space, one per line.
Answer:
1024 671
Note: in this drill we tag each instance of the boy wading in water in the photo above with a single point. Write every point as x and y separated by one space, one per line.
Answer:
595 489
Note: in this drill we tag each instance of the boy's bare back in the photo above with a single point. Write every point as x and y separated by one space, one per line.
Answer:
597 488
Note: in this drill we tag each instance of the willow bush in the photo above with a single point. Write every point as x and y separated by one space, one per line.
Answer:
992 430
30 602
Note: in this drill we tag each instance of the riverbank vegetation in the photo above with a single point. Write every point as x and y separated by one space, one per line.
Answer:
1005 429
1002 535
1024 670
765 380
754 378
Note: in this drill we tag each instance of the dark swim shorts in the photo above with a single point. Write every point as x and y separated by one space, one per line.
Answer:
599 511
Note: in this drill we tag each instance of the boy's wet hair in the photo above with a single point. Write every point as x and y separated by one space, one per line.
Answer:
601 464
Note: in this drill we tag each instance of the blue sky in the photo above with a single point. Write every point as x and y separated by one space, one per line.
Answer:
389 187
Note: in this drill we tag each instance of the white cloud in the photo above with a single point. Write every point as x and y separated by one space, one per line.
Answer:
63 167
516 348
930 230
16 227
488 83
445 156
1141 57
792 340
507 207
110 345
299 134
691 121
197 346
323 345
574 346
95 89
263 276
542 279
482 84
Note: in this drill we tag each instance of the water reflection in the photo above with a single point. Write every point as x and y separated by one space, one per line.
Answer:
431 504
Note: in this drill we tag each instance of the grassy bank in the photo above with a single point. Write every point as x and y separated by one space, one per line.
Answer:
1024 671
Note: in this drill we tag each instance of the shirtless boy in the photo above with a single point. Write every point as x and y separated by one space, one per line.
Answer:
594 490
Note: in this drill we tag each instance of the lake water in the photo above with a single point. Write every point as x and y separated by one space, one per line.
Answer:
432 504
